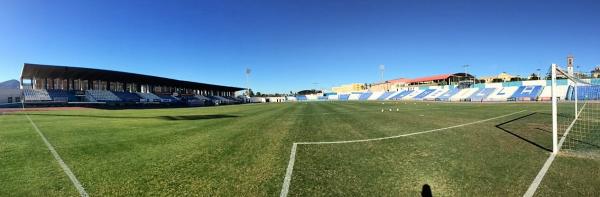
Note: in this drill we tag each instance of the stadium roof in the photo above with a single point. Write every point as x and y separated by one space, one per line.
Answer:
430 78
51 71
399 80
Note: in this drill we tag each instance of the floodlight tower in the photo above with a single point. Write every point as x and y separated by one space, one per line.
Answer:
248 71
465 67
382 70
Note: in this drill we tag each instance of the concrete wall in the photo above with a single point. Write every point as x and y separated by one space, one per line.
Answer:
6 93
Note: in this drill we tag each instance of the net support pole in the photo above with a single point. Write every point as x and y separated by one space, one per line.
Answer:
554 112
576 100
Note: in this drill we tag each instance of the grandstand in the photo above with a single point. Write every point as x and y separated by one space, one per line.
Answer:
48 84
535 90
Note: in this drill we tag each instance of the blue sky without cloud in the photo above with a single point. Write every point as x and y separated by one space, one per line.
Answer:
290 45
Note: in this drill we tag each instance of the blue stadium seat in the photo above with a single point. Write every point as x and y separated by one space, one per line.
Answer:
301 98
62 95
36 95
344 97
127 96
401 94
424 94
529 93
365 96
385 95
167 98
446 96
586 93
482 94
102 96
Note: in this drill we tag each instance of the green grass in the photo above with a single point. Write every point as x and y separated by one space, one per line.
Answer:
244 150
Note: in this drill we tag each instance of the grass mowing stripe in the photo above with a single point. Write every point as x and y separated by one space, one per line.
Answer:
62 164
288 176
540 176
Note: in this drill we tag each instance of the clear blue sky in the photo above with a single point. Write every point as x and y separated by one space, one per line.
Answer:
290 45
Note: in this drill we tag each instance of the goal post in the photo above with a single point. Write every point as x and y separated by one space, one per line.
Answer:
554 94
575 113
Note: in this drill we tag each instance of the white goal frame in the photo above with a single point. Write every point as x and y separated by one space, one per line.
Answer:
556 144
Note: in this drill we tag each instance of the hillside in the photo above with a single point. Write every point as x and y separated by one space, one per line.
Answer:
10 84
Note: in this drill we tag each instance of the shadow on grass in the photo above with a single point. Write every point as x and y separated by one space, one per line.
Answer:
170 118
514 133
426 191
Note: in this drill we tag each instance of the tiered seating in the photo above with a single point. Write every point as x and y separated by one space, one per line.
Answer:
401 94
375 96
424 94
464 94
127 96
527 93
587 93
561 92
412 95
344 97
432 96
103 96
365 96
223 99
148 96
354 96
385 95
62 95
446 96
36 95
481 94
332 97
502 94
301 98
167 98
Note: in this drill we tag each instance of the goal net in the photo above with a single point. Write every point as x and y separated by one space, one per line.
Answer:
575 113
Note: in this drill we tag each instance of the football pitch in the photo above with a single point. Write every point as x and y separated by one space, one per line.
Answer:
337 149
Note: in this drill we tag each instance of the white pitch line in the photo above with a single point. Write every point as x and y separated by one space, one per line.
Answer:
60 161
540 176
288 175
409 134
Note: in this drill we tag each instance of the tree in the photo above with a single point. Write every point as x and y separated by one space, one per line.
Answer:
534 76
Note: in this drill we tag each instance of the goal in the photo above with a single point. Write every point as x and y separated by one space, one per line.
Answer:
575 113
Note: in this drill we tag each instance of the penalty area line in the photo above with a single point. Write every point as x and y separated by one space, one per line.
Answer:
57 157
290 168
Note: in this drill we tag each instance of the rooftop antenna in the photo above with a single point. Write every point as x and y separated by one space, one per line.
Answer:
382 70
